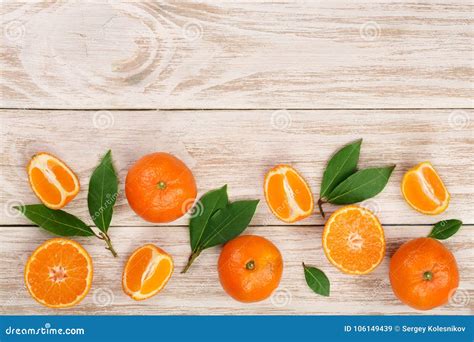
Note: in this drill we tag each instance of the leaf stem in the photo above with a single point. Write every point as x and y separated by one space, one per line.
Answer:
191 259
106 238
320 206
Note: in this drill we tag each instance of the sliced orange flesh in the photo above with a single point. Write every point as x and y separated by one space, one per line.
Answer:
52 181
424 190
147 271
353 240
59 273
287 194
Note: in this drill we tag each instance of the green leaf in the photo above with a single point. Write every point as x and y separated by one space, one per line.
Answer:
316 280
103 192
445 229
55 221
207 205
341 165
228 223
217 221
362 185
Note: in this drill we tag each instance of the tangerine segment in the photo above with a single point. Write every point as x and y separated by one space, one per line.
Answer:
52 181
353 240
287 193
147 271
59 273
424 190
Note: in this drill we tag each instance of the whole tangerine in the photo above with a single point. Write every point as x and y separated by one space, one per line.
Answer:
160 188
424 273
250 268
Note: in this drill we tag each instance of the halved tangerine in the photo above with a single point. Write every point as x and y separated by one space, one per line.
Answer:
424 190
288 194
353 240
59 273
147 271
52 180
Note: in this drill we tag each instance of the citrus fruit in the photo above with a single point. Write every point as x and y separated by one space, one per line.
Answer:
424 190
160 188
250 268
287 193
146 272
59 273
52 181
423 273
353 240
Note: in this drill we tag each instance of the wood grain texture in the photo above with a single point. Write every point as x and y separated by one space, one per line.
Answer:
199 291
238 147
289 54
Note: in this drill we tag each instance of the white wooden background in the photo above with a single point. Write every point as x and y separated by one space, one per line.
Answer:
240 87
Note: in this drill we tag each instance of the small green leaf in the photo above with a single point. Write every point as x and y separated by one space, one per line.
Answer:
228 223
55 221
341 165
217 221
445 229
103 192
362 185
207 206
316 280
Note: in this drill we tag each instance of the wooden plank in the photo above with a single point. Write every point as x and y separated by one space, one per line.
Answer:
311 54
238 147
199 291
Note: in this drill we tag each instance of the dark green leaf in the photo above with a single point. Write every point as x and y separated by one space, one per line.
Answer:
228 223
340 166
55 221
207 205
103 192
361 185
316 280
445 229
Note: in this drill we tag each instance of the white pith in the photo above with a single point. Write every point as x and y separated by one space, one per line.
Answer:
295 209
426 187
40 162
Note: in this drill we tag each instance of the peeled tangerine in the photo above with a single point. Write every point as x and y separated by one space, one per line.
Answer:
52 181
287 193
147 271
424 190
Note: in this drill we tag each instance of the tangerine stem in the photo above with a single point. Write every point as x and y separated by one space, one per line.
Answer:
106 238
320 206
191 259
428 275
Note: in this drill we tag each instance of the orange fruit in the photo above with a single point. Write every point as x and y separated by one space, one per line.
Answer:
160 188
146 272
287 193
250 268
353 240
424 190
52 181
423 273
59 273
